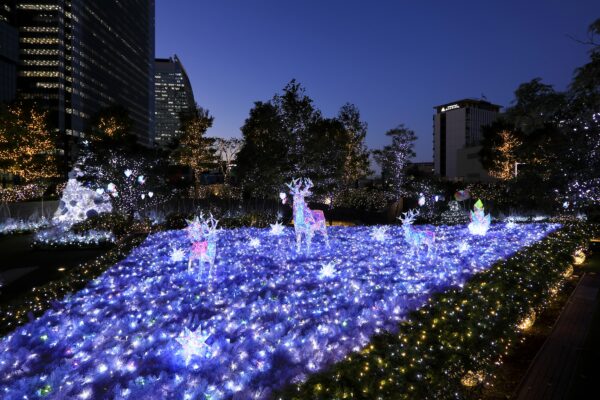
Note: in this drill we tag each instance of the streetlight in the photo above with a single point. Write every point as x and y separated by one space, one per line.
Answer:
516 167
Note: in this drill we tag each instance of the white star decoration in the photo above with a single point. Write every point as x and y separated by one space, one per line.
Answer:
276 229
327 271
193 344
177 255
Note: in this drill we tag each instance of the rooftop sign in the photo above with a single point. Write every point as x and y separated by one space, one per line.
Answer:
450 107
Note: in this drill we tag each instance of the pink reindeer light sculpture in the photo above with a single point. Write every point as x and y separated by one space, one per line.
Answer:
306 221
202 232
413 237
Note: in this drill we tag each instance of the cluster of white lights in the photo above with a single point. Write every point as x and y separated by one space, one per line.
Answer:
11 226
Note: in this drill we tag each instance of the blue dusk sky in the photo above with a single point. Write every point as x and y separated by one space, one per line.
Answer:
395 60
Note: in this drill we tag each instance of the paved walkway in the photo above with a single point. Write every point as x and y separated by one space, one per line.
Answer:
552 370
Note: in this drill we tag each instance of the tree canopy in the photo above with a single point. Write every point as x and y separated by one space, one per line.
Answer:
288 137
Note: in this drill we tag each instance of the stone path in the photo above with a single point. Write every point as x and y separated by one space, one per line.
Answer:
552 370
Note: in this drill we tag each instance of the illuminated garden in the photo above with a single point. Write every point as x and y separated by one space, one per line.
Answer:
294 261
150 327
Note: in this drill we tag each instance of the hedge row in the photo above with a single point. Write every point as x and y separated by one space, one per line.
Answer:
453 344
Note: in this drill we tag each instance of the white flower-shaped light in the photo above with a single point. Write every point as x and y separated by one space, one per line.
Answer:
141 179
254 243
177 255
379 233
510 223
277 229
327 271
128 173
194 344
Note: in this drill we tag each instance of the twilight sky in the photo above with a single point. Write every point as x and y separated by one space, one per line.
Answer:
395 60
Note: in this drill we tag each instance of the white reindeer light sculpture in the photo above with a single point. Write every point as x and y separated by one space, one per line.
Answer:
306 221
416 238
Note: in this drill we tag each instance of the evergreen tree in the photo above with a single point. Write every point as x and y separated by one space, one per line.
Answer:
356 164
193 148
394 158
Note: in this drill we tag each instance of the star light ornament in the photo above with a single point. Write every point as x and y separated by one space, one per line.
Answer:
193 343
277 229
327 271
177 255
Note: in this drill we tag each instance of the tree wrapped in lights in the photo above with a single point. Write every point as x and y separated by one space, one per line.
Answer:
79 203
193 149
226 151
394 158
113 163
28 147
582 191
505 162
356 163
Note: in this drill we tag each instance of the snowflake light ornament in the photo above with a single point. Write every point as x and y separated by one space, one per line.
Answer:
327 271
254 243
463 247
277 229
379 233
510 223
177 255
193 343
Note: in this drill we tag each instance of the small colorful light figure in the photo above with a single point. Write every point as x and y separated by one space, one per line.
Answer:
462 195
480 222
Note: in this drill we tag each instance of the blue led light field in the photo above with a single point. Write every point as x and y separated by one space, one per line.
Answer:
148 328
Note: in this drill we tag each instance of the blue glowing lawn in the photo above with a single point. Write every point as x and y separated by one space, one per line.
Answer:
270 316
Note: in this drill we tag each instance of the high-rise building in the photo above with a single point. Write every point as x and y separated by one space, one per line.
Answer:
456 138
173 95
80 56
9 52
